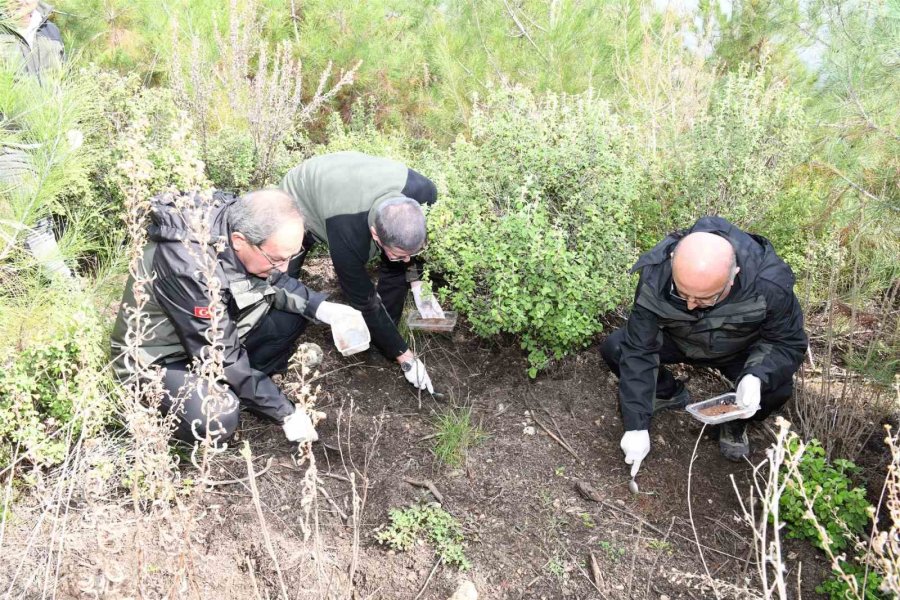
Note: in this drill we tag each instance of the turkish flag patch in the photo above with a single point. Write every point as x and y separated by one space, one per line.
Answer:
203 312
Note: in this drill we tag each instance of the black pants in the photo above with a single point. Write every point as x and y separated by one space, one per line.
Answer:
392 286
731 368
269 345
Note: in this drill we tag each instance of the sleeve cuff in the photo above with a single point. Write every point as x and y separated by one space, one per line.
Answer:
635 422
312 304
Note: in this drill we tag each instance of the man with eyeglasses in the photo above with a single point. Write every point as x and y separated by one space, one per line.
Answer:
261 315
361 207
711 295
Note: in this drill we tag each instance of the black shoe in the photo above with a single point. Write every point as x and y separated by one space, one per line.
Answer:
680 399
733 442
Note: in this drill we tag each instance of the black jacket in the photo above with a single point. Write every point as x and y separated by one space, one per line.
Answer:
760 318
178 305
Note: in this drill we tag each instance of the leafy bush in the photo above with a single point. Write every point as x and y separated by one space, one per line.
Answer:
439 526
533 234
121 103
230 159
838 589
735 161
51 378
839 506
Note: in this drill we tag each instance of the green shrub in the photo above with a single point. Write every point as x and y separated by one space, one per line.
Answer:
533 233
838 506
120 104
838 589
432 521
736 160
51 377
230 159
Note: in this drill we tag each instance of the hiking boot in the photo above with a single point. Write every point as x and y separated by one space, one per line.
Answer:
680 399
733 442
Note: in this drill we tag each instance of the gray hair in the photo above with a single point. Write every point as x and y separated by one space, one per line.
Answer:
400 223
258 214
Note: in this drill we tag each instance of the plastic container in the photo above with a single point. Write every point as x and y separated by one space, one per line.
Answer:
354 336
723 400
415 321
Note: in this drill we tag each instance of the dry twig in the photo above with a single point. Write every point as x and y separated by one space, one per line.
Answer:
425 483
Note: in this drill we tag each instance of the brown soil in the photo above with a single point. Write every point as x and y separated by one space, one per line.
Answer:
719 409
530 532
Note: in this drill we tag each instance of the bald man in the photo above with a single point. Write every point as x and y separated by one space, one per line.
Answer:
261 313
715 296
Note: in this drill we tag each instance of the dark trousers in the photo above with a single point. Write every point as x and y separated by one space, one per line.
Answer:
731 368
269 346
392 286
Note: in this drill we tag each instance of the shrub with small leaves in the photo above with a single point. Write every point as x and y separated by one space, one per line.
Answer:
838 589
534 233
51 381
737 159
840 507
434 523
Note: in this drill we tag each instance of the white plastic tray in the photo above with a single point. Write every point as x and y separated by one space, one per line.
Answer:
353 340
415 321
727 399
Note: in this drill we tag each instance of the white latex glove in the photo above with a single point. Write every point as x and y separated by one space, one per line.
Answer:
298 427
418 376
748 393
428 306
331 312
636 446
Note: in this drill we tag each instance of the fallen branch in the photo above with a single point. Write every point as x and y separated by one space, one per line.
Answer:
564 445
425 483
212 483
333 504
596 572
557 427
430 575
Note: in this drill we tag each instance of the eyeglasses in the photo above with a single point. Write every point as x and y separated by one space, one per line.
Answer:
274 262
402 257
706 301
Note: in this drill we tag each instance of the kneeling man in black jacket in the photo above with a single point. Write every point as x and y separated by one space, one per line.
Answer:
711 295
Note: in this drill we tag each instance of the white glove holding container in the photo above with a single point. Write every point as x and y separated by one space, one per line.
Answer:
415 373
427 305
348 327
298 427
636 446
748 392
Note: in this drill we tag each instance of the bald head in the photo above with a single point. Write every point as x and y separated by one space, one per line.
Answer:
703 265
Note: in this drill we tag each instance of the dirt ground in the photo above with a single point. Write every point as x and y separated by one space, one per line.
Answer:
529 532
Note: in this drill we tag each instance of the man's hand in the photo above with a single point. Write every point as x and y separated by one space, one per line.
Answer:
298 427
415 373
331 313
636 446
748 392
428 305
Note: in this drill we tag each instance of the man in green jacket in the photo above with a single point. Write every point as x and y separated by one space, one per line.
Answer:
364 206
